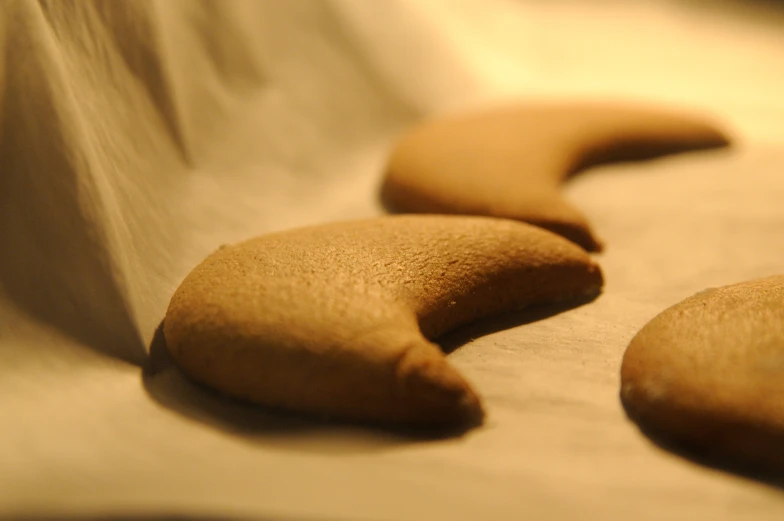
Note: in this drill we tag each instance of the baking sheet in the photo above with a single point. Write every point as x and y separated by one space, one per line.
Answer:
138 136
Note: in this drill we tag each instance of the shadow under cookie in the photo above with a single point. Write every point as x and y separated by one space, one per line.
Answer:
705 456
168 386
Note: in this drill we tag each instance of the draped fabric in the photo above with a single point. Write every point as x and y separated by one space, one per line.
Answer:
137 136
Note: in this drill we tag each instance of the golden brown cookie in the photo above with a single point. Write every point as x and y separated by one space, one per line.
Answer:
510 162
334 319
709 373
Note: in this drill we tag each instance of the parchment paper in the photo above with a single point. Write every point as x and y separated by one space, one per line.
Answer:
138 136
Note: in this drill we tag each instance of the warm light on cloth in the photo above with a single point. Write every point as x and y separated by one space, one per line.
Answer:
138 136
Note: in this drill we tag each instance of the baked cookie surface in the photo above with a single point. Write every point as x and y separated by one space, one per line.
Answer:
708 373
337 319
510 162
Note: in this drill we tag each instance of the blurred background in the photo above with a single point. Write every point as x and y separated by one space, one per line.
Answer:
139 135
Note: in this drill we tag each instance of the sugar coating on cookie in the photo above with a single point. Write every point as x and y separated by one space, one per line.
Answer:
708 373
510 162
338 319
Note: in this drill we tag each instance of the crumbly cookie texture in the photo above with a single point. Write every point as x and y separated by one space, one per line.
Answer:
337 319
709 373
510 162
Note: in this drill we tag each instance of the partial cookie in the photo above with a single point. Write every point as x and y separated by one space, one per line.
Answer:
511 162
709 373
334 319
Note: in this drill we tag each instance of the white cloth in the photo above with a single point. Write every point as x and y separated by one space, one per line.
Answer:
138 135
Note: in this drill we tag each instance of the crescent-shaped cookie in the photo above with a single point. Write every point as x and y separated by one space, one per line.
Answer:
708 373
511 162
335 319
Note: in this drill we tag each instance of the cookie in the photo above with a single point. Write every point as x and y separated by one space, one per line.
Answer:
337 319
511 162
708 374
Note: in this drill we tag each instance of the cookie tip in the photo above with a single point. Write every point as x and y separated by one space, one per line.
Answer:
436 393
